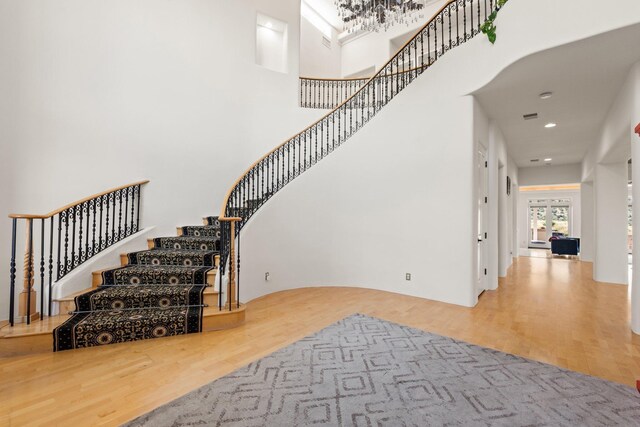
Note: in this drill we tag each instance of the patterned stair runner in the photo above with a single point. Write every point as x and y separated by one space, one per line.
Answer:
160 292
185 258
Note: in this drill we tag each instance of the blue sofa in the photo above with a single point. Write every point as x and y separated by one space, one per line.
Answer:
565 246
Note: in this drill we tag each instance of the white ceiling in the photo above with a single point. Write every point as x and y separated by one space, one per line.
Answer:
585 78
328 10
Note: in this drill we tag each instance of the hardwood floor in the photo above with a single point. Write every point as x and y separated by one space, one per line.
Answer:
547 309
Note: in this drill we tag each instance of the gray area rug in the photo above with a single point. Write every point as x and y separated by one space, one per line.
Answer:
363 371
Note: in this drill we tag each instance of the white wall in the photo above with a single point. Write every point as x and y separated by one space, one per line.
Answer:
587 208
610 185
375 210
316 59
551 175
523 212
634 77
606 165
95 94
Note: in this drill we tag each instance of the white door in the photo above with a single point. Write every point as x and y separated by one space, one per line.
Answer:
482 247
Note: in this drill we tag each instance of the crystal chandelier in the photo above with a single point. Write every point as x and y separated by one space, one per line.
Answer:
374 15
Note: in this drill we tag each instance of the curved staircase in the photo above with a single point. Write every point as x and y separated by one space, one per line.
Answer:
167 290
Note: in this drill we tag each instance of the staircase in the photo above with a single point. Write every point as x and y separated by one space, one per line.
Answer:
168 290
164 291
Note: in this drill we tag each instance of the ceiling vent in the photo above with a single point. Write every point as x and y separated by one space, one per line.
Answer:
534 160
531 116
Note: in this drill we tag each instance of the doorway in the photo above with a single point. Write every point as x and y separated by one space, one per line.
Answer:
482 216
548 218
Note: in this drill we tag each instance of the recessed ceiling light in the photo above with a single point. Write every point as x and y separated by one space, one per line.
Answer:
548 159
550 125
546 95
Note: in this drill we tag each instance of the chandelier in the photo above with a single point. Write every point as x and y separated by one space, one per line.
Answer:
374 15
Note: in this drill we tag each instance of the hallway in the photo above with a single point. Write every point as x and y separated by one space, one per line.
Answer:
548 310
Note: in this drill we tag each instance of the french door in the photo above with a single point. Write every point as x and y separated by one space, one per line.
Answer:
548 218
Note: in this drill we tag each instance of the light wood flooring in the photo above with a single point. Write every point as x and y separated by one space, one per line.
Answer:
547 309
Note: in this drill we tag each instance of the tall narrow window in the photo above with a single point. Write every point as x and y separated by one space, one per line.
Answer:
271 43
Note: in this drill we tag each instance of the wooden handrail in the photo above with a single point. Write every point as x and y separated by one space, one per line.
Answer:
64 208
237 181
326 79
366 78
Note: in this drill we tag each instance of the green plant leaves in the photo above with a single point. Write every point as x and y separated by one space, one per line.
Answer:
489 28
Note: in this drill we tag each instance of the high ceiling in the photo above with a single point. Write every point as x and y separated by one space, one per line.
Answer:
328 10
585 78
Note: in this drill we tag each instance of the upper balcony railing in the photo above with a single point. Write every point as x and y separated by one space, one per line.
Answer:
61 240
454 24
328 94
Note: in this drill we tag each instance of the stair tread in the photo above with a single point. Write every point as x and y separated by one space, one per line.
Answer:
144 267
207 238
72 296
39 327
215 311
182 251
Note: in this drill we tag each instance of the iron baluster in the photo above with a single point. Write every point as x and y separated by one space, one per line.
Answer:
112 202
138 190
80 217
464 18
457 23
50 263
93 228
127 229
66 241
85 207
42 266
439 19
73 238
296 141
12 272
29 286
59 243
100 241
449 19
119 214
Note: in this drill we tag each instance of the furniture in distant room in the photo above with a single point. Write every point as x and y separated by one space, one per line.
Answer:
565 246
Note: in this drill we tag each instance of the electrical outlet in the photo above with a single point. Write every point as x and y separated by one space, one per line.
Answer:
266 276
408 276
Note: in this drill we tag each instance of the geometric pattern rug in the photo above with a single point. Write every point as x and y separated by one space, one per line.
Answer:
364 371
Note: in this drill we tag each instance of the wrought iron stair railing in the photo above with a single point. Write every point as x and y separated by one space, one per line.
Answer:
454 24
58 242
